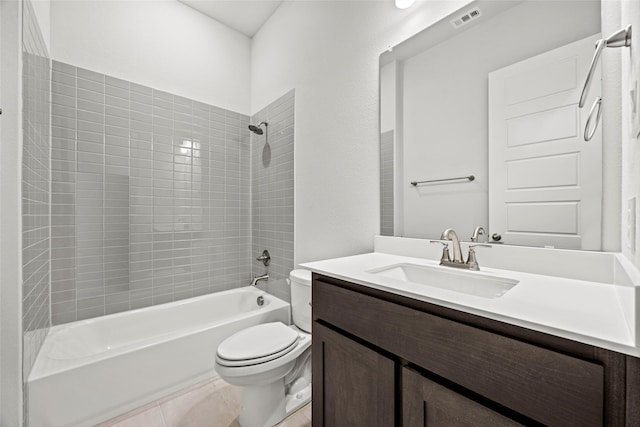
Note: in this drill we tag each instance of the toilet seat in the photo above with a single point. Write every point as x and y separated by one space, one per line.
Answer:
257 344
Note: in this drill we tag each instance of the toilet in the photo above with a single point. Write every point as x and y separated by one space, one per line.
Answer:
272 361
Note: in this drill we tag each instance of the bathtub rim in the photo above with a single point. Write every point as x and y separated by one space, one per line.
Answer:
43 369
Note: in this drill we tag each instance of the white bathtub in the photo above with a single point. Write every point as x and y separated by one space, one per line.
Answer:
93 370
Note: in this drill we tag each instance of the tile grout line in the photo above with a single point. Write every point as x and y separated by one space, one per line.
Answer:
164 421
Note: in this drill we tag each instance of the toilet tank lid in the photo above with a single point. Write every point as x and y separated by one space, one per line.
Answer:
301 276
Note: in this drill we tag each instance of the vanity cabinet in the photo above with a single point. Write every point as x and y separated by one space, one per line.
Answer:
382 359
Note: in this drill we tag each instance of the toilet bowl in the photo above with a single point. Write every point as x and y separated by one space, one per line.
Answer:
272 361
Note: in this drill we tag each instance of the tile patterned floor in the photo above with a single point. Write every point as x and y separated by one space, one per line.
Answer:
212 403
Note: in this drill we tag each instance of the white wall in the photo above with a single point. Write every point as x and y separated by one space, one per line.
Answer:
630 14
42 8
10 214
328 51
162 43
445 109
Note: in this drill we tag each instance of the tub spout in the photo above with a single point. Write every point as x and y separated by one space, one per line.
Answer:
256 279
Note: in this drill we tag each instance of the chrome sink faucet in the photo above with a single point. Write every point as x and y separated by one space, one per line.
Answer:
458 262
449 234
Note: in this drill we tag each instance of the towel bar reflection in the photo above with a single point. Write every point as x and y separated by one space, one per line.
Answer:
468 178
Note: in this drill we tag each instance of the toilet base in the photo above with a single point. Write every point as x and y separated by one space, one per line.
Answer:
298 400
266 405
263 405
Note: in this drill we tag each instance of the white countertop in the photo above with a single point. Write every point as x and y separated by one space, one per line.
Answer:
585 311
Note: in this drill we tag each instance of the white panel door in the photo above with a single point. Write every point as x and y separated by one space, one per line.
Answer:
545 182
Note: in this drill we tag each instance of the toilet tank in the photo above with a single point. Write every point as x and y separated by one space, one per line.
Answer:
301 298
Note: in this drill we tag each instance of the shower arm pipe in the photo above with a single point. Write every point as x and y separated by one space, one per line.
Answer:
621 38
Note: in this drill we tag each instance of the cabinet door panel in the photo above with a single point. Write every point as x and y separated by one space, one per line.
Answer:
352 384
428 404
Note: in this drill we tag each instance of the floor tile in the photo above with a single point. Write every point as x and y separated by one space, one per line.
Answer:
211 403
209 382
130 414
150 418
203 406
306 410
296 420
232 395
219 383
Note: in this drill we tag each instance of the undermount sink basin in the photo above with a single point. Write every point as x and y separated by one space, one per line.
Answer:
467 282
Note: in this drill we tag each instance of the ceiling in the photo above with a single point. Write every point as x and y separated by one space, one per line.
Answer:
245 16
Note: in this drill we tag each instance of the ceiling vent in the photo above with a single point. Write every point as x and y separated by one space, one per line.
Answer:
466 18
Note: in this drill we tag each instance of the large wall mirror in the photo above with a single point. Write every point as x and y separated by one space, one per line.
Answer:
480 126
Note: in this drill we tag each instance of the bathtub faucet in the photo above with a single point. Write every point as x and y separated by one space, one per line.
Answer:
256 279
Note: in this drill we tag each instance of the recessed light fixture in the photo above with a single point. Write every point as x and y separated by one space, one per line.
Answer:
404 4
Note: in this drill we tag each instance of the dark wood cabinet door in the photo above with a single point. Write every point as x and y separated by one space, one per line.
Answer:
427 403
353 385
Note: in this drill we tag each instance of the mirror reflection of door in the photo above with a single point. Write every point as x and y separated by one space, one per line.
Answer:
545 181
434 115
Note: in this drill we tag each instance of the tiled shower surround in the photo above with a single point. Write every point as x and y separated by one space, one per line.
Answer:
386 183
272 192
35 188
151 196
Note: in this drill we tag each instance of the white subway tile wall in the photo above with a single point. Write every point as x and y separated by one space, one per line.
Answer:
36 236
386 183
151 196
272 193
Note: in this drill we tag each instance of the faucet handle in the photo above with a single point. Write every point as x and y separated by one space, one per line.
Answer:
472 262
445 250
480 245
265 257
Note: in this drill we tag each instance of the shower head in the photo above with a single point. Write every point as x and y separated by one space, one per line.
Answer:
255 129
258 129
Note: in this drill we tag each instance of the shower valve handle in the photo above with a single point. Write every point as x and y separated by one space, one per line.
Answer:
265 257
